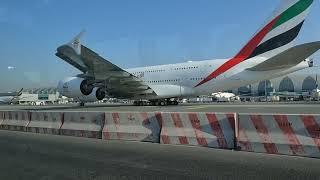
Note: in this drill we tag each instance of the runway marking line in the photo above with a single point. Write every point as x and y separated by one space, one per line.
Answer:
198 107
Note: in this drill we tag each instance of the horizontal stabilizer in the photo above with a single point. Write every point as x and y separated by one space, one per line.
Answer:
288 58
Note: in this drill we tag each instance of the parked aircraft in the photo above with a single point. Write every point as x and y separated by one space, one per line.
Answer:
9 97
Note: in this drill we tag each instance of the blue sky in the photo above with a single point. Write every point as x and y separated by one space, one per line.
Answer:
129 33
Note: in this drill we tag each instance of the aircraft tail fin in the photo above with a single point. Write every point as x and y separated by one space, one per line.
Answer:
275 37
280 30
20 92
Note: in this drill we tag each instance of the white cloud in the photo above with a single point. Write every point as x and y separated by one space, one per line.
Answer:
11 67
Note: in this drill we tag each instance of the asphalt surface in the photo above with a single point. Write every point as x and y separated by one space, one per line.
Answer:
46 157
290 108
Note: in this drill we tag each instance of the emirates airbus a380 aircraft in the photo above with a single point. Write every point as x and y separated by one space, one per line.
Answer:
269 54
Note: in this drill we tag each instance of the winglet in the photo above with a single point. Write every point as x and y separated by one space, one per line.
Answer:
75 43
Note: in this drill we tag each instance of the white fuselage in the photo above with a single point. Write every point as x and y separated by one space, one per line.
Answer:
180 80
6 99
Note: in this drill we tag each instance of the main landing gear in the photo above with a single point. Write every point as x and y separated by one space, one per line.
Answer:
159 102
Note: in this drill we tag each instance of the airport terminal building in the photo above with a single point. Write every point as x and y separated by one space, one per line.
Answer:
39 95
303 81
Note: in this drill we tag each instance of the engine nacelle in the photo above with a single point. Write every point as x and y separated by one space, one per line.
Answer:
80 89
97 95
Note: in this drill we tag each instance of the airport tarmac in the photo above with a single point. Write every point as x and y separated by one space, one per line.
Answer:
38 156
289 108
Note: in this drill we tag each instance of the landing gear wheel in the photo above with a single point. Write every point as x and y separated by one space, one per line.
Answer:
81 104
140 103
162 103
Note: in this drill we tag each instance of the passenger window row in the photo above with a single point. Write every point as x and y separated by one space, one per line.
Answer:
196 79
149 71
184 68
161 81
161 70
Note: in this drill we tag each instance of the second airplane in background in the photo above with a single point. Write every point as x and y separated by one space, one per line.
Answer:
269 54
10 97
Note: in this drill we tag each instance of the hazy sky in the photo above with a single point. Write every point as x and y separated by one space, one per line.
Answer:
129 33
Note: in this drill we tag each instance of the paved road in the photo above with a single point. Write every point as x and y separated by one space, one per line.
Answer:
240 108
36 156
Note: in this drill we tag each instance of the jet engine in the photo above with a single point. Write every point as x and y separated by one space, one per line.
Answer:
80 89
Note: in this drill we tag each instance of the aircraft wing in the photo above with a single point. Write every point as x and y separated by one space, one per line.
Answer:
288 58
118 81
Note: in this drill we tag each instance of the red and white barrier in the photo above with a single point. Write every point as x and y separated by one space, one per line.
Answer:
83 124
1 117
280 134
15 120
132 126
45 122
198 129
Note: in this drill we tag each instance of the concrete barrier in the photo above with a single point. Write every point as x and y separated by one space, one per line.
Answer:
83 124
213 130
297 135
15 120
1 117
132 126
45 122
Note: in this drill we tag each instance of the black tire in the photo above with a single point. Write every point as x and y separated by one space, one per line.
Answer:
100 94
163 103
